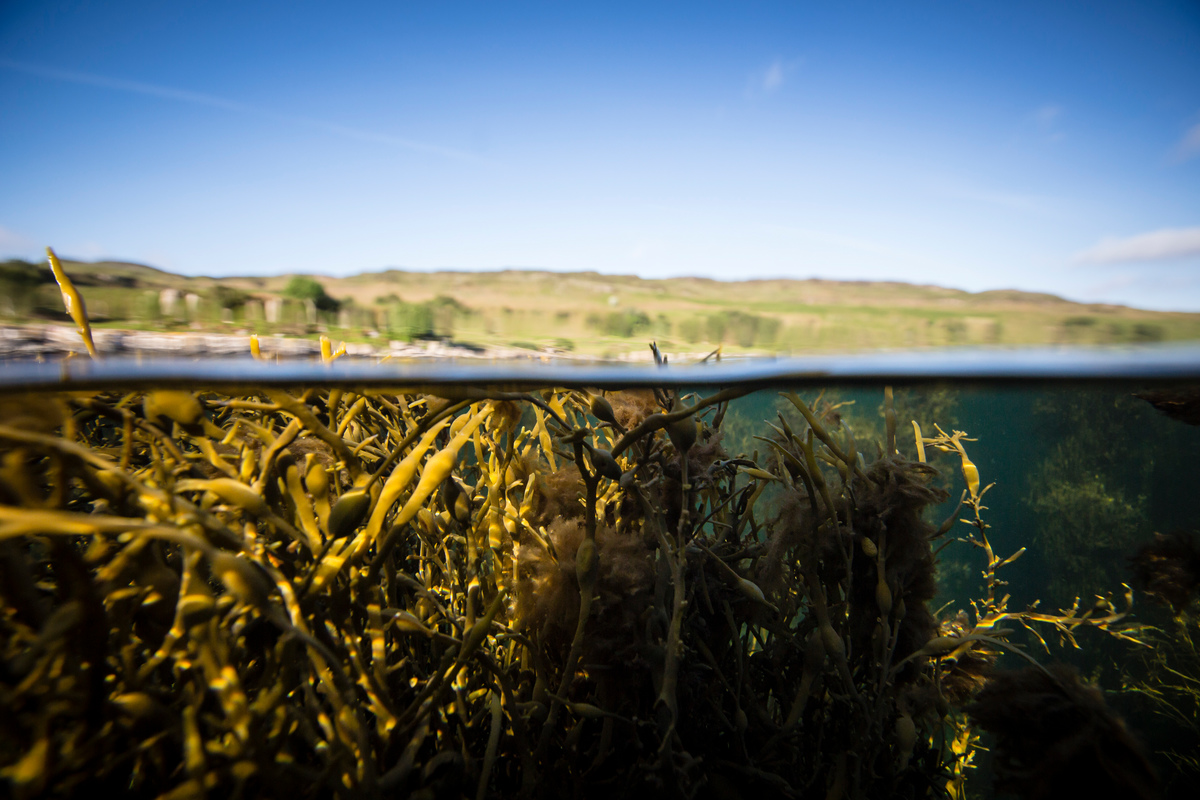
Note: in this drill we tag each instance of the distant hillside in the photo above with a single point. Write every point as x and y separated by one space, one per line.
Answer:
586 312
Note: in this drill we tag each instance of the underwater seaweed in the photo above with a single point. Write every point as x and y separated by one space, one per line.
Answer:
291 605
468 591
1167 675
1181 403
1090 488
1056 737
1168 568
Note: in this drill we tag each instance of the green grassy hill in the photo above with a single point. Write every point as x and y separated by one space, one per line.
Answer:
587 312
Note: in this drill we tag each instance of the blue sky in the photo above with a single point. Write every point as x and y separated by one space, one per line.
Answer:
1042 146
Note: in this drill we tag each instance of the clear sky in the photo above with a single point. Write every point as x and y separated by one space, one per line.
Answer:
1047 146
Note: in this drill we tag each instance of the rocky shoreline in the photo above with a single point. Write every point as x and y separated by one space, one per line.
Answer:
34 341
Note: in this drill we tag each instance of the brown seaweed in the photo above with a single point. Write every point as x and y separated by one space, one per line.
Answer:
1056 737
1168 568
1182 404
318 594
334 593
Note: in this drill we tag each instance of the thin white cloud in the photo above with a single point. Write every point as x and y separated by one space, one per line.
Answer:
1162 245
198 98
1047 114
773 78
1047 119
1189 145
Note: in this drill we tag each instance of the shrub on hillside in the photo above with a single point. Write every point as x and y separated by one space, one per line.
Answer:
303 287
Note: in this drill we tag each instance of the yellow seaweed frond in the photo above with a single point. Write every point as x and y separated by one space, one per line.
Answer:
72 301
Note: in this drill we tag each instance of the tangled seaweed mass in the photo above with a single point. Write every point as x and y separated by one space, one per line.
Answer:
1055 737
331 593
337 593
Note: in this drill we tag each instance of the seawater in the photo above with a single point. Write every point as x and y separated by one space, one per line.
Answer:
341 579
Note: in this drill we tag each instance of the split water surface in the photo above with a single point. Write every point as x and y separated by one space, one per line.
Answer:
958 574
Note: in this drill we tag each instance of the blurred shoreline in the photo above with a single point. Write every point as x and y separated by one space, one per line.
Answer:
48 340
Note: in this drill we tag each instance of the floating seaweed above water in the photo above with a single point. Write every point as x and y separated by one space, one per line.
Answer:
342 593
